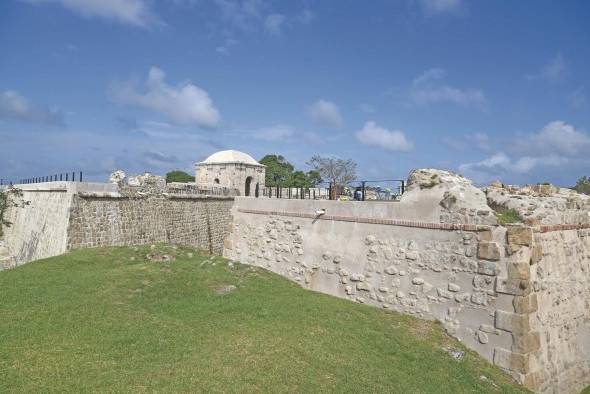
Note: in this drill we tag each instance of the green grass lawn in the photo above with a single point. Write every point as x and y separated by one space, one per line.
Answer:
110 320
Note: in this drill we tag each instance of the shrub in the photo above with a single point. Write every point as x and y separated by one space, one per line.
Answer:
509 216
179 176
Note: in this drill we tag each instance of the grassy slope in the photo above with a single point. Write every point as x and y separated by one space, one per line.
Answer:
108 320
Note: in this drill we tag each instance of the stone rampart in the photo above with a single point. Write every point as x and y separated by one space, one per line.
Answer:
519 295
113 221
66 215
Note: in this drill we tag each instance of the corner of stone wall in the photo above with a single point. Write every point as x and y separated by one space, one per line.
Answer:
228 243
520 359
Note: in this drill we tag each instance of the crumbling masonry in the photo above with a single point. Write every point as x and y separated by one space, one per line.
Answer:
517 294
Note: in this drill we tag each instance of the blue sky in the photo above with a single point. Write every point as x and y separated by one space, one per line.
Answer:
494 89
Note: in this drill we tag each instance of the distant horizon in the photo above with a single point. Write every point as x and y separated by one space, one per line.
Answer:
489 90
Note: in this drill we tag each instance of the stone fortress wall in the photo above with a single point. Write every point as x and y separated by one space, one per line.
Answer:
63 216
519 294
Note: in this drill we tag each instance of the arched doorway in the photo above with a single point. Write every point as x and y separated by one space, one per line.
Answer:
248 182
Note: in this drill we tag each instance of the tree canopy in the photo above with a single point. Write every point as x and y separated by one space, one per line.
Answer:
179 176
279 172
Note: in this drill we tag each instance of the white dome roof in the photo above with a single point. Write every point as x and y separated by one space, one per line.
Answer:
230 156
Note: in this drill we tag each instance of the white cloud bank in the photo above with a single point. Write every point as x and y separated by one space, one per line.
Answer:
430 88
373 135
185 104
131 12
14 106
555 145
326 113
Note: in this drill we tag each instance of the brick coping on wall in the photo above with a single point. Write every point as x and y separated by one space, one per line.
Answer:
563 227
170 196
387 222
410 223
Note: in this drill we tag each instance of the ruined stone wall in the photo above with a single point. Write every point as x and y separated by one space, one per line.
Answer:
66 215
560 288
358 251
518 295
201 222
39 229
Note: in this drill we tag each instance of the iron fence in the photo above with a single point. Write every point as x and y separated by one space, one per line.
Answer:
74 176
359 190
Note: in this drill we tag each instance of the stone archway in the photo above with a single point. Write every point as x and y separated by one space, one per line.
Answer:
248 183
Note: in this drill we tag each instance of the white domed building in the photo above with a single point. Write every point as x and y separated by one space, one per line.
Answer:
233 169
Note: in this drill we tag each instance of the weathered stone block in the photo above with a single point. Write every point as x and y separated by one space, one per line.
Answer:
512 361
485 235
533 380
526 304
526 343
228 244
519 270
536 254
513 286
489 268
488 250
517 236
512 322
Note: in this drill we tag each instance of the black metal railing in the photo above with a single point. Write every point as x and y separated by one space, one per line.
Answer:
74 176
359 190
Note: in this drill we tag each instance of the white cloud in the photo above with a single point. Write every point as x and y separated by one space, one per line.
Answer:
556 138
273 24
326 113
258 15
557 144
554 70
185 104
132 12
430 88
14 106
374 135
432 7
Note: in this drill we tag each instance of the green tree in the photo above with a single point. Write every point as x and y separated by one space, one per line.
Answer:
278 170
179 176
583 185
313 178
298 179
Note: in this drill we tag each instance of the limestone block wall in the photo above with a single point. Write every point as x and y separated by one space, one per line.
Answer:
110 221
39 229
447 272
560 290
65 215
518 295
